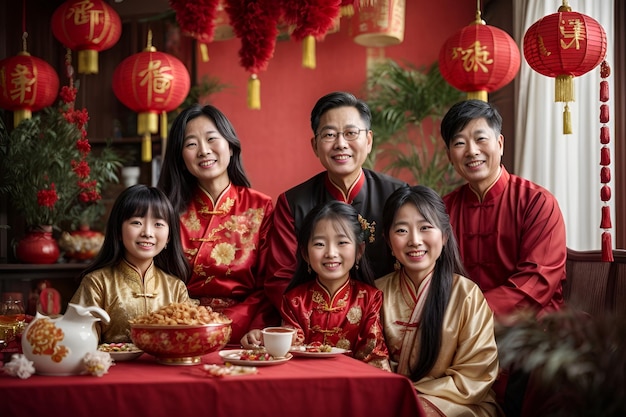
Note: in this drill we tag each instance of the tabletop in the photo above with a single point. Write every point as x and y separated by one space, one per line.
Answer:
336 386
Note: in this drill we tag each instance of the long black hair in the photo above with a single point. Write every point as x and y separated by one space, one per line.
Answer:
175 180
136 201
346 218
431 206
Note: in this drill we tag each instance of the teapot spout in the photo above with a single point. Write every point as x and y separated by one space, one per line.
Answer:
78 311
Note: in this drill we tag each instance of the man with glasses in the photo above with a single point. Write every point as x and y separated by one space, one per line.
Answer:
342 140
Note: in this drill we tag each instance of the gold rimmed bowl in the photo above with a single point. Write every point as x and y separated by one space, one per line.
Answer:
180 344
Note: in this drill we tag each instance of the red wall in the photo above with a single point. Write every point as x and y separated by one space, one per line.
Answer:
276 138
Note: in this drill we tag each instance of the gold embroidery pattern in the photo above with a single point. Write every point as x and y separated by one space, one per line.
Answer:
354 315
192 222
223 253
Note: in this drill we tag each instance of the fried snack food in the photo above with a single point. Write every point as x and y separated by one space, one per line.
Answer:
181 314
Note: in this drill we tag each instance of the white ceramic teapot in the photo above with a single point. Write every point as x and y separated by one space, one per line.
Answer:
57 345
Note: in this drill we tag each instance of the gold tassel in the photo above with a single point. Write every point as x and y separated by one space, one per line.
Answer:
564 88
163 125
308 52
346 11
87 61
147 122
146 148
163 133
254 92
477 95
567 121
19 115
204 52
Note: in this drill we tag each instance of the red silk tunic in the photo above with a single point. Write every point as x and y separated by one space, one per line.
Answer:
512 243
348 320
222 242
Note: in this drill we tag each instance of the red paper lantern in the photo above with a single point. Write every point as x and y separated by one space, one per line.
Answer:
27 84
150 83
88 26
479 59
564 45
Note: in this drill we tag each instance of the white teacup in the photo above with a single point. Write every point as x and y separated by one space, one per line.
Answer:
277 340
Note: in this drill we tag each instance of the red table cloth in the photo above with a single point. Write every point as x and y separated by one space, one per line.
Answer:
316 387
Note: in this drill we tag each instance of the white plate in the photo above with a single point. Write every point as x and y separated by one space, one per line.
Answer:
233 356
334 351
131 351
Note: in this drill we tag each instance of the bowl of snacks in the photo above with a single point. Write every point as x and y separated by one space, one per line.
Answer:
179 333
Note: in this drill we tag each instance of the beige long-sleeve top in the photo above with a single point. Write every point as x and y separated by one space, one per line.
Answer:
124 295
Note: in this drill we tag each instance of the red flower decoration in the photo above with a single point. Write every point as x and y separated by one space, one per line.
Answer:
47 197
83 146
68 94
81 169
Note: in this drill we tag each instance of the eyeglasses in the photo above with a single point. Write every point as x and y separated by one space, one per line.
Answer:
328 136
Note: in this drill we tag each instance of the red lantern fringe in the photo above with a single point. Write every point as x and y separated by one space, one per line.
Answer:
196 18
604 91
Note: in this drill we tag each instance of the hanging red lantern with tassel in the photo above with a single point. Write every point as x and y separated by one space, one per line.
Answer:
564 45
479 59
150 83
86 26
27 84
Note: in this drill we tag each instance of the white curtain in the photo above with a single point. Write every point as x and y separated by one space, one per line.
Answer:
567 165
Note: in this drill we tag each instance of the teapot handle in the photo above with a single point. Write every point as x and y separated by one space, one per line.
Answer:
83 311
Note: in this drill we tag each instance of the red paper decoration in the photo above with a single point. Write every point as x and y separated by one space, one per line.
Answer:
564 45
27 84
479 59
311 20
605 161
150 83
88 26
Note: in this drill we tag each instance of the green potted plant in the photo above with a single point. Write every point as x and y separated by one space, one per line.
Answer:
407 105
49 174
576 362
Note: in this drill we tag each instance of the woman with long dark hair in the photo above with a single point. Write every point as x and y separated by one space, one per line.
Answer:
224 222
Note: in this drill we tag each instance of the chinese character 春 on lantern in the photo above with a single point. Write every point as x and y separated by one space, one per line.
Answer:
151 83
564 45
479 59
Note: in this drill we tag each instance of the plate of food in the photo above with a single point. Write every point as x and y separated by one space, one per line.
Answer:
251 357
121 351
317 350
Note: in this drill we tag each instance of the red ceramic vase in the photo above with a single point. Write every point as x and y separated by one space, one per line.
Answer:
38 247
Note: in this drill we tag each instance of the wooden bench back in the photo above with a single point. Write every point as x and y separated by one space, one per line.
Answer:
594 286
